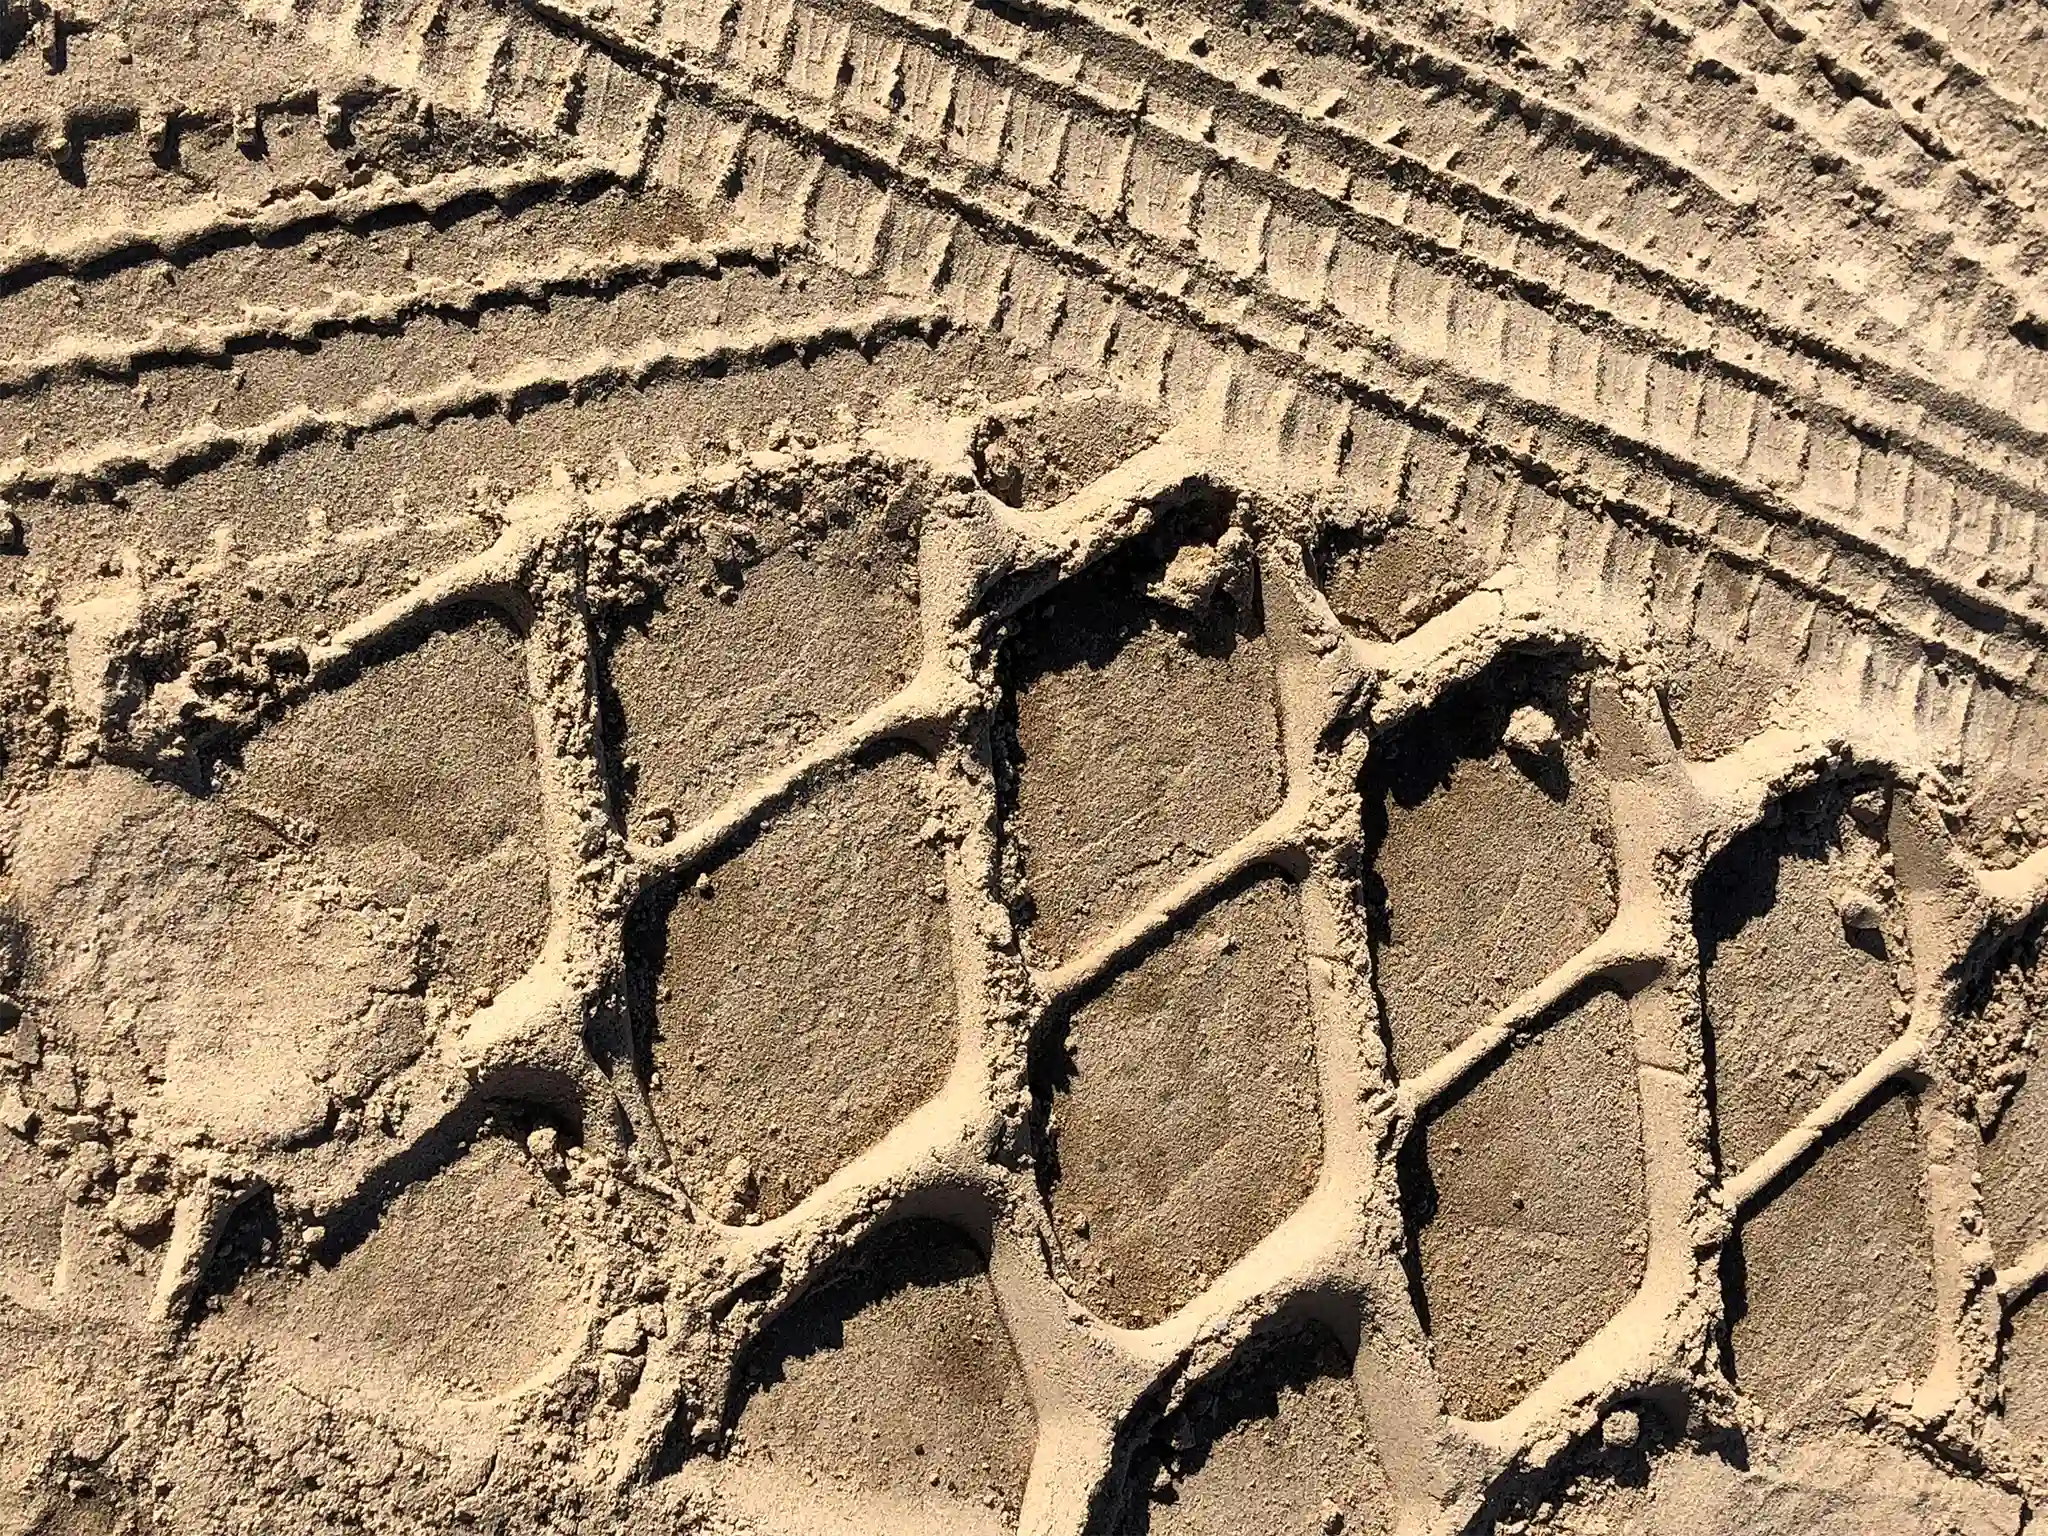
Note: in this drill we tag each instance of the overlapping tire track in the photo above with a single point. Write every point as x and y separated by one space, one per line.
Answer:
1976 523
1046 173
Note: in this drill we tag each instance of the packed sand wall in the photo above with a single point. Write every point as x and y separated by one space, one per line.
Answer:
835 766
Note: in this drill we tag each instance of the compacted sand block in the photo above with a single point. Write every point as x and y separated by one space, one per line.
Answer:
895 1381
1801 942
1528 1193
420 785
1281 1440
31 1229
804 1002
796 630
1182 1122
1834 1296
1386 585
2023 1372
1146 738
2015 1196
1489 866
466 1285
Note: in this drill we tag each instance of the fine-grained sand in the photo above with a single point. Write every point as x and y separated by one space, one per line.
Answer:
820 767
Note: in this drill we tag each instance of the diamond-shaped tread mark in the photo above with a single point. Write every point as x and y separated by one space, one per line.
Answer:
334 581
892 1386
1488 855
2014 1159
35 1395
1145 726
1278 1443
1829 1286
1799 934
467 1285
419 777
769 632
1183 1118
1526 1207
803 998
1385 583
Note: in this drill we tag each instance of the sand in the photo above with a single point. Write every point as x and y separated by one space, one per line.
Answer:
820 767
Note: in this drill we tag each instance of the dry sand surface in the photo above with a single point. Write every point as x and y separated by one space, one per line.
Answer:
824 767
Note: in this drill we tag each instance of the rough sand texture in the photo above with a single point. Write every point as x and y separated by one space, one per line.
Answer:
840 766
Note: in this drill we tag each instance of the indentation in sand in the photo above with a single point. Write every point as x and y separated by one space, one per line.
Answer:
804 1000
1182 1123
893 1389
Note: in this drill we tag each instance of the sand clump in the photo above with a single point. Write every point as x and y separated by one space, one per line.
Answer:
775 769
